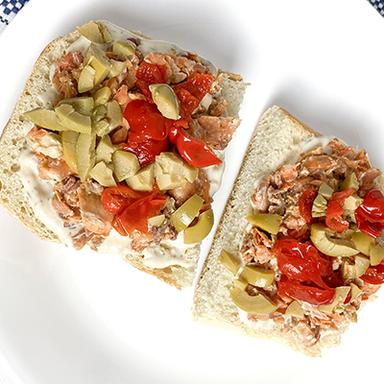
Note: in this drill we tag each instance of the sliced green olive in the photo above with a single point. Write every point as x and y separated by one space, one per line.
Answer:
253 305
166 100
124 48
44 118
240 284
103 175
325 190
73 120
143 179
125 164
355 291
82 104
186 213
102 95
117 67
341 294
350 182
230 261
201 229
86 80
269 222
295 309
319 207
114 114
258 276
376 254
96 32
105 150
331 247
85 154
362 242
69 140
156 221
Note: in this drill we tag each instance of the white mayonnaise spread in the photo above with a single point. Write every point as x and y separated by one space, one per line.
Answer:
40 193
215 173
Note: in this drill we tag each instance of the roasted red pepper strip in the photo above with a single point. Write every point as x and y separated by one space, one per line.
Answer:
305 204
313 295
374 275
194 151
334 217
147 74
370 214
301 262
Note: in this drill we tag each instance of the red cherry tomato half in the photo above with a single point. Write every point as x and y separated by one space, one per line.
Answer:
334 216
298 291
374 275
370 214
301 262
305 204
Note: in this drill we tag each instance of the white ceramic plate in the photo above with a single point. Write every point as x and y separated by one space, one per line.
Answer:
80 318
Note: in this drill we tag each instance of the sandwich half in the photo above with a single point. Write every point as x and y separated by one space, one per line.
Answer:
299 248
117 144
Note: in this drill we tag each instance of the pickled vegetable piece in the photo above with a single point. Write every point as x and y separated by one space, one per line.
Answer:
331 247
105 150
117 67
269 222
166 100
114 114
69 140
85 154
124 48
201 229
102 95
86 80
102 128
362 242
73 120
82 104
231 262
376 254
143 179
44 118
319 207
156 221
96 58
186 213
356 270
355 291
295 309
341 294
96 32
103 175
258 276
253 305
350 182
125 164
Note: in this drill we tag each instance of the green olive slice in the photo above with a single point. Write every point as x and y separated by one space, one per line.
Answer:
253 305
268 222
201 229
186 213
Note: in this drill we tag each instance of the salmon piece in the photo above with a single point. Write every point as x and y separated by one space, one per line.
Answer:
260 198
367 180
67 73
200 187
216 131
94 217
52 169
45 143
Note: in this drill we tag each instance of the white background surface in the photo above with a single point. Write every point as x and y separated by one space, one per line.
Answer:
80 318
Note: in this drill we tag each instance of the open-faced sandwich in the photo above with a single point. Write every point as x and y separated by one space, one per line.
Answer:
117 144
299 248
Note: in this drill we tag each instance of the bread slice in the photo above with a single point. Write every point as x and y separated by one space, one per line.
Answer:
12 193
277 135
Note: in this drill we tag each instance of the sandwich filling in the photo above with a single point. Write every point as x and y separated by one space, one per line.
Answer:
313 250
128 150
